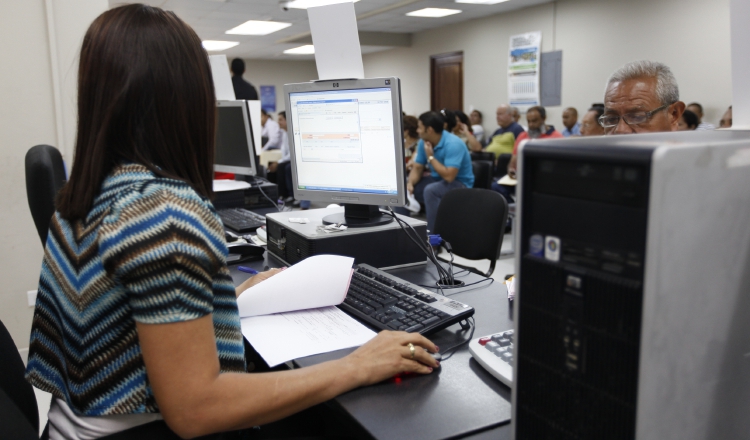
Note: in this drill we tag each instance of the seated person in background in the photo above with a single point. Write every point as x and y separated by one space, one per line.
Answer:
411 137
476 125
459 124
465 131
450 120
447 158
590 122
284 166
688 121
570 121
536 117
517 117
271 131
152 335
698 110
641 97
726 119
503 139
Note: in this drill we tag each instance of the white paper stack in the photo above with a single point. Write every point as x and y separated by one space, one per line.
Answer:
292 314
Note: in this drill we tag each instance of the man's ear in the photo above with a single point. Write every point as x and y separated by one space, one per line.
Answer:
675 112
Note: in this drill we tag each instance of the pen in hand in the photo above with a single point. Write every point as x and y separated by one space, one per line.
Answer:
246 269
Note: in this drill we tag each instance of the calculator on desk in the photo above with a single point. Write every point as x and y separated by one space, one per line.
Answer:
495 353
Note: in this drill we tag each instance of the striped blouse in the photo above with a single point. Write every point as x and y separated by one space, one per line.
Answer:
151 251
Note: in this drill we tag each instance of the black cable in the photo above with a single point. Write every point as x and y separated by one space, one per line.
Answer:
438 286
424 246
450 351
260 188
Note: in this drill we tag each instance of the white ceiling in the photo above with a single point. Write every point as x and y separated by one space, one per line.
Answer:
211 18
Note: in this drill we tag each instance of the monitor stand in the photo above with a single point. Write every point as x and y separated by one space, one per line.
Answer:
358 216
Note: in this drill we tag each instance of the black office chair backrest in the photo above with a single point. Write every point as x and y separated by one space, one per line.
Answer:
482 173
483 155
473 221
15 390
502 164
45 176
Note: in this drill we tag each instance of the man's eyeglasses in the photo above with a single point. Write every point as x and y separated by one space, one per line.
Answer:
637 118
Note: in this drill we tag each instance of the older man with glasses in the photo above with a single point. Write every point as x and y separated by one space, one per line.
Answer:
641 97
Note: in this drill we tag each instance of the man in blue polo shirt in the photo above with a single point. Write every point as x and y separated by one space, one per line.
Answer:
448 159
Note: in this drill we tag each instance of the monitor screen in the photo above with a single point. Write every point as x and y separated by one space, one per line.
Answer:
234 139
347 143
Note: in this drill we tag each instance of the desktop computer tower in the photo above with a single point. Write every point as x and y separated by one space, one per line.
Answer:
384 246
633 311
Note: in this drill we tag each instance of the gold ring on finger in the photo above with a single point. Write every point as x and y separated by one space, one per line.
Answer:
412 350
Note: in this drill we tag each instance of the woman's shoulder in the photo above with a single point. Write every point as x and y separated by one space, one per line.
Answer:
137 194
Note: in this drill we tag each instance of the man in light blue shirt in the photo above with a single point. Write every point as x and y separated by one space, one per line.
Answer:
570 121
448 160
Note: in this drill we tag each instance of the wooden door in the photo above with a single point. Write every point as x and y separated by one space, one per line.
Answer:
447 81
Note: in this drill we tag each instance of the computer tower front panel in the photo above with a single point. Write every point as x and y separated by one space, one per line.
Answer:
582 251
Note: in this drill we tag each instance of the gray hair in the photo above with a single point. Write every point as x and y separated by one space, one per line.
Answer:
666 84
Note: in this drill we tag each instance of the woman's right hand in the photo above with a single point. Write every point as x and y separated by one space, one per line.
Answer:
388 354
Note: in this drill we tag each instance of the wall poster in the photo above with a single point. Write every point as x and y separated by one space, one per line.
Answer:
268 98
523 70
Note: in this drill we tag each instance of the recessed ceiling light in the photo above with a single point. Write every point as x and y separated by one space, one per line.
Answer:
255 27
433 12
302 50
304 4
214 45
481 2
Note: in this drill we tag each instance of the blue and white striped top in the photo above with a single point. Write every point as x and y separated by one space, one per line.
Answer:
151 251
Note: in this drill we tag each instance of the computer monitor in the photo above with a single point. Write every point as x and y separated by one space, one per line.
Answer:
234 139
346 145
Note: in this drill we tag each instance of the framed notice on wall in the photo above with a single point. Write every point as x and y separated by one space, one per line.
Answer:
268 98
523 70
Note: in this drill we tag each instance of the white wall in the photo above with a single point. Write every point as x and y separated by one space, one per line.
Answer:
596 37
277 73
29 117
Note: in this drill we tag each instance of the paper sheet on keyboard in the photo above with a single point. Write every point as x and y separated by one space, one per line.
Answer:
285 336
319 281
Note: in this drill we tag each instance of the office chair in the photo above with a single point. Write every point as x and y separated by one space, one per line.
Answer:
45 176
482 173
473 220
483 155
19 414
501 168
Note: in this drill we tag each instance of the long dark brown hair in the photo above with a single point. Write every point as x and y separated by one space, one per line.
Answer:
145 95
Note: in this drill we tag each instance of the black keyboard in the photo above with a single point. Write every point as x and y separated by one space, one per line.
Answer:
241 220
386 302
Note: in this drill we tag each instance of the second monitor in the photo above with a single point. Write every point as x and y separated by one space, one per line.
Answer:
346 142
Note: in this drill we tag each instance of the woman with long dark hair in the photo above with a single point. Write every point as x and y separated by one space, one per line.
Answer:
136 320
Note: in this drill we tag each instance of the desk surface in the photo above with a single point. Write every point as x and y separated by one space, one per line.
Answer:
460 399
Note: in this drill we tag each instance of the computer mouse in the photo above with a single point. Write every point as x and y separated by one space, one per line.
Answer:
246 249
437 356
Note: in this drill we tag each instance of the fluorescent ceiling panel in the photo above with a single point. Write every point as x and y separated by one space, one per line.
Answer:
304 4
433 12
302 50
481 2
255 27
214 45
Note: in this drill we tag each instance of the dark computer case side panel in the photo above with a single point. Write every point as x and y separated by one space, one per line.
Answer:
276 238
387 248
582 249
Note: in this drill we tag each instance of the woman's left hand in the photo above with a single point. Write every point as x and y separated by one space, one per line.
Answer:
255 279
